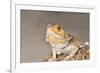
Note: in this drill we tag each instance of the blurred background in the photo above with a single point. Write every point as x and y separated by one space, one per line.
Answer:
34 48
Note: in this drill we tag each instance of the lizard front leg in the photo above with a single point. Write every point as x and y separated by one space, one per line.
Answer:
54 53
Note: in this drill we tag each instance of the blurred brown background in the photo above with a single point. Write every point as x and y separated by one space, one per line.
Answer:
33 31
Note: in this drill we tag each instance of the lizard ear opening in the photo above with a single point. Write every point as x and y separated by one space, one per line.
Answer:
69 36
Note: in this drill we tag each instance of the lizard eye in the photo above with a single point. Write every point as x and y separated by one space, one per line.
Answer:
58 28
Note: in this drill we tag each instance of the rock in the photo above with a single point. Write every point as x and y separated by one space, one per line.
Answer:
82 54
